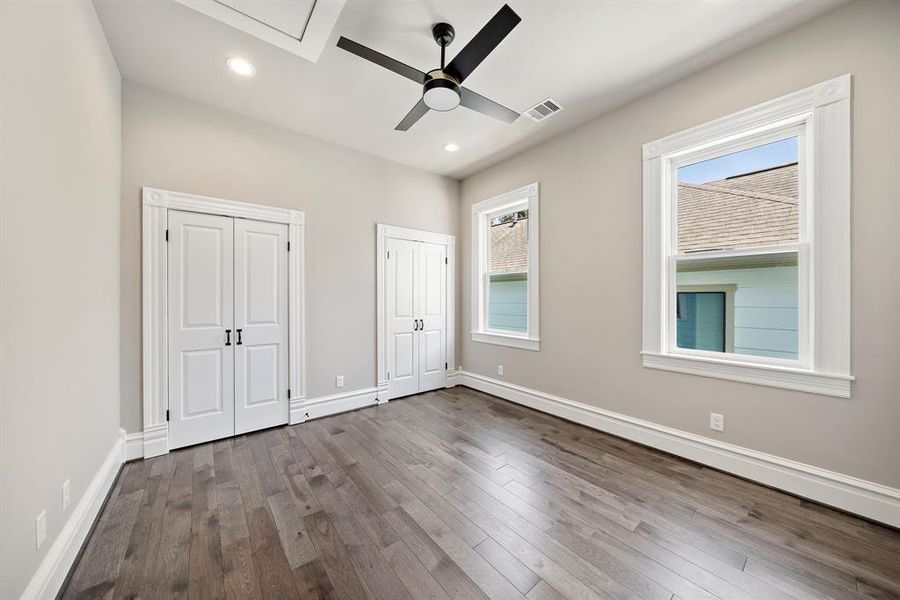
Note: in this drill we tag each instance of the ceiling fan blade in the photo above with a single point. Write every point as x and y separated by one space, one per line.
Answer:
381 60
412 116
479 103
482 44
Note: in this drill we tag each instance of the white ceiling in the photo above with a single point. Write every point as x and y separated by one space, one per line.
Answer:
588 55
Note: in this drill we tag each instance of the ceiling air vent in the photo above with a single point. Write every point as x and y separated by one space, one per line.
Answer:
543 110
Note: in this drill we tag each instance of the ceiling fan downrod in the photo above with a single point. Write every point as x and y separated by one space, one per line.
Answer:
443 34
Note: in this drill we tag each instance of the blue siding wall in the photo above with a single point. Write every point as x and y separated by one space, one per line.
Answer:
766 311
508 303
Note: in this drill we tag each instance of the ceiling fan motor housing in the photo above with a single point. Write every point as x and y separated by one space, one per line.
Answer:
440 92
443 33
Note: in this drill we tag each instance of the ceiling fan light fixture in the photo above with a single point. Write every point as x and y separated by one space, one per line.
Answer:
441 94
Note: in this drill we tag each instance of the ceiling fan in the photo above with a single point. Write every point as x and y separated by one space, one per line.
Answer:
442 88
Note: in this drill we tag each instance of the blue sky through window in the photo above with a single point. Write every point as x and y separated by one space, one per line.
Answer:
745 161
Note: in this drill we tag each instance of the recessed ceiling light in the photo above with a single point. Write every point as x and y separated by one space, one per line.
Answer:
240 66
451 147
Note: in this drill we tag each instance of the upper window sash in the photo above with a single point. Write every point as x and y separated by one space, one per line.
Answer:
820 117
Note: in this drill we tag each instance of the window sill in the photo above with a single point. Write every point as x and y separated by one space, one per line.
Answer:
768 375
512 341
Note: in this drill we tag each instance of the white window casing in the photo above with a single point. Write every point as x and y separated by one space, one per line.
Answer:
525 198
819 116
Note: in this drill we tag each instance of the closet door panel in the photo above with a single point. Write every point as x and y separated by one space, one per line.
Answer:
432 285
260 306
200 310
401 306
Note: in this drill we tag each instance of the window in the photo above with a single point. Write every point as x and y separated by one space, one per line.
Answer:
737 224
705 317
746 245
505 269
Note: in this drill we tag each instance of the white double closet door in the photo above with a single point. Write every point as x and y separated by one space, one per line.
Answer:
416 307
228 329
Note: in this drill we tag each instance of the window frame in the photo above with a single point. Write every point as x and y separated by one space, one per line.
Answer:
796 126
820 116
529 198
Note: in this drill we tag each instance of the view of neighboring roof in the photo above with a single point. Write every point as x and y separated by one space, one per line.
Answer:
753 209
509 247
742 211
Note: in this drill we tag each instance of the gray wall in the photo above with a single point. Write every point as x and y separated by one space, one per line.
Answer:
173 143
591 254
60 167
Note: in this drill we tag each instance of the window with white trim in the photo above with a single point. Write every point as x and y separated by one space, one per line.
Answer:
505 269
747 245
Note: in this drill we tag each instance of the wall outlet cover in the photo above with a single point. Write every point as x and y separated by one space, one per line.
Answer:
499 369
339 381
716 422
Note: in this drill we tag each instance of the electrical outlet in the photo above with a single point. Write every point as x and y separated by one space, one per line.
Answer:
499 369
40 528
717 422
66 496
339 381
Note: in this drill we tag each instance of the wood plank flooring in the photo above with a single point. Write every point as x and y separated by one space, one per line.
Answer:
456 494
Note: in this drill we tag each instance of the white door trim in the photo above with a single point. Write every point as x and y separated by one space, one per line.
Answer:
156 206
415 235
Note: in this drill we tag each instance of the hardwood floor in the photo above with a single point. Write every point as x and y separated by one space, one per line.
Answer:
456 494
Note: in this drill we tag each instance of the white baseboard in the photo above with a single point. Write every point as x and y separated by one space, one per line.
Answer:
51 573
868 499
453 377
323 406
134 446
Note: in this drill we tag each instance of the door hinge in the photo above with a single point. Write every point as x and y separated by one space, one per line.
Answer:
389 375
445 366
167 235
167 414
446 261
289 393
289 246
389 254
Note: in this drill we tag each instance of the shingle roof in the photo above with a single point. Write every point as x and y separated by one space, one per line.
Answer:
754 209
509 247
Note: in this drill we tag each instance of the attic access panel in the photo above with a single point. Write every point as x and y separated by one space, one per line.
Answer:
289 18
302 27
